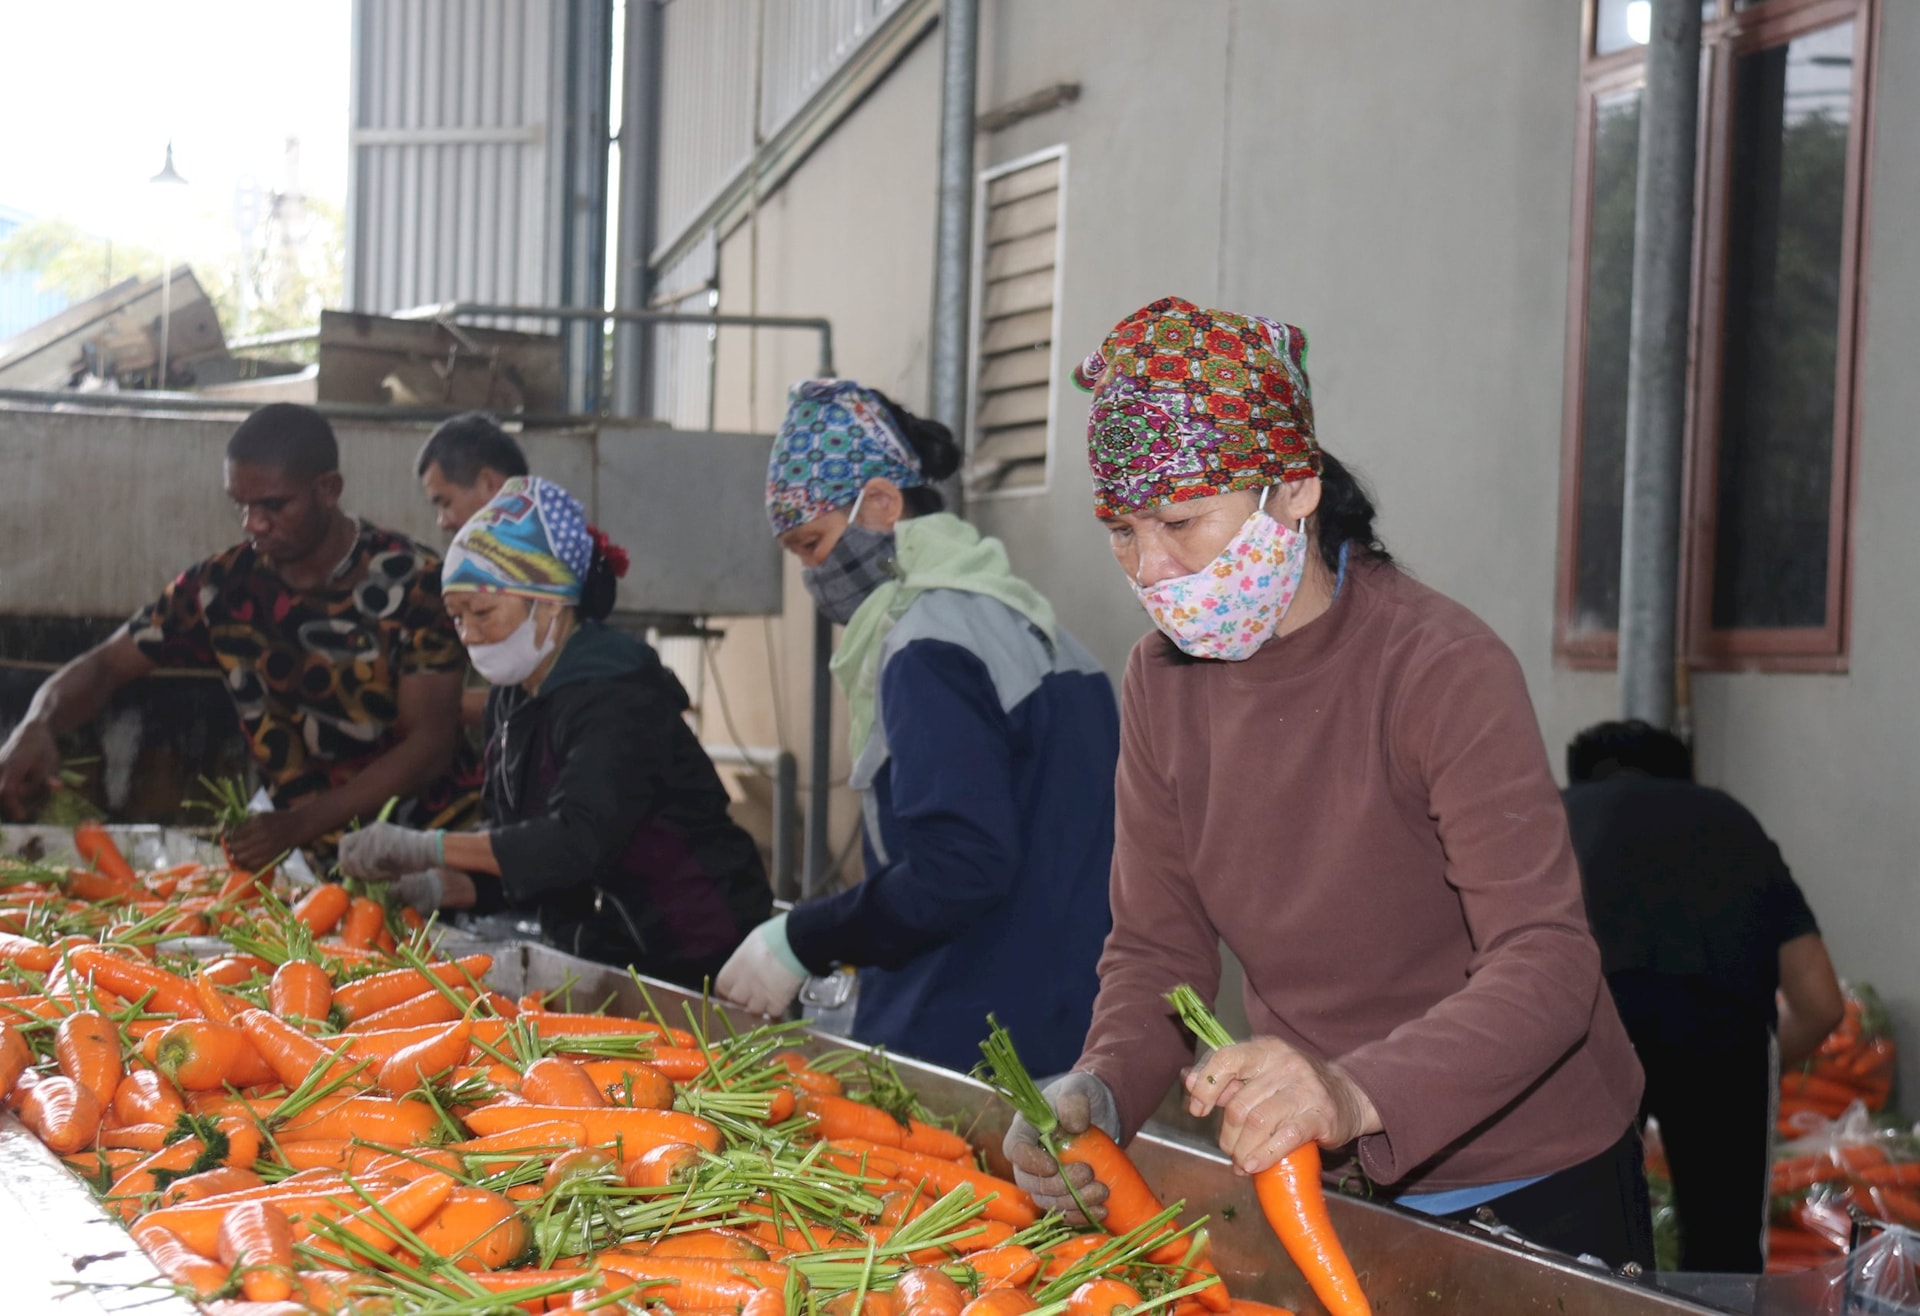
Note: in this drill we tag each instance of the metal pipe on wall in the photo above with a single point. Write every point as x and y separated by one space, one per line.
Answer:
1657 363
953 234
639 204
588 61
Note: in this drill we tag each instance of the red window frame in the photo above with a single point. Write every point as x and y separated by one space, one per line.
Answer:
1725 38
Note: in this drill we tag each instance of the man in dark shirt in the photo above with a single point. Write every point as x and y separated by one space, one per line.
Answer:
1709 948
330 637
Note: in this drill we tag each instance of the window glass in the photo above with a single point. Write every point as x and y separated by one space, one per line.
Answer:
1791 112
1620 24
1603 420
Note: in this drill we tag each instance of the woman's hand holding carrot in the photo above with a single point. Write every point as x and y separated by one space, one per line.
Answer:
1079 1102
1274 1098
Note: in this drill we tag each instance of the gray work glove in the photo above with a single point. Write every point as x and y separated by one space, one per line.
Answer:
384 852
423 890
1079 1101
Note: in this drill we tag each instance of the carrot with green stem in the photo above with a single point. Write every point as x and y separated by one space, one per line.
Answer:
1130 1202
95 844
1290 1192
256 1238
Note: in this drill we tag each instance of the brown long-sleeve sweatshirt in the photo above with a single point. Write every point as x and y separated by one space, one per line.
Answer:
1363 812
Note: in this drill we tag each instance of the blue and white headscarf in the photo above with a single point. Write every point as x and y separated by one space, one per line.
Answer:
532 540
836 436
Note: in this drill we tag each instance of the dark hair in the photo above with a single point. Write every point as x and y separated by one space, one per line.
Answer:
599 590
464 445
287 437
1345 517
1607 749
933 446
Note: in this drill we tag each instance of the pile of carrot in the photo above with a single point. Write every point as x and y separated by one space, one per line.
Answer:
1855 1063
305 1125
1840 1161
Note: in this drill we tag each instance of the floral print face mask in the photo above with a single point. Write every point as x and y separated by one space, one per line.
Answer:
1233 605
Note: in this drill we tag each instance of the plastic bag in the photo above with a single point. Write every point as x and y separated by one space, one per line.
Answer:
1855 1063
1837 1170
1880 1277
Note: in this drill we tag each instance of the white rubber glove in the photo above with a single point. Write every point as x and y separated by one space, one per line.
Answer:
384 852
764 975
423 890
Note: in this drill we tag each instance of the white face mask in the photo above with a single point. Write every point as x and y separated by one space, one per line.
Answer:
514 659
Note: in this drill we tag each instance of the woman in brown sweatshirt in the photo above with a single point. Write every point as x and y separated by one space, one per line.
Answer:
1337 771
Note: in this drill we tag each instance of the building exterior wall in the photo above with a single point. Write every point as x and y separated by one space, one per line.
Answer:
1397 180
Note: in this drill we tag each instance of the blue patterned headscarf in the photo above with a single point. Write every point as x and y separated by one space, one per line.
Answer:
836 436
532 540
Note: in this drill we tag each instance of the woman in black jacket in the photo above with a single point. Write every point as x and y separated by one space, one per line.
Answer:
603 811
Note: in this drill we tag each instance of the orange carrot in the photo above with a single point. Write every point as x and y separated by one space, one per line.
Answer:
364 919
637 1129
145 1096
15 1057
373 1225
138 1137
1008 1266
1009 1202
1103 1297
96 845
220 1180
426 1060
717 1243
381 1045
300 990
697 1281
197 1224
426 1008
555 1081
168 992
579 1163
669 1163
289 1053
370 995
63 1114
200 1275
1296 1206
322 908
88 1050
477 1230
929 1291
631 1083
373 1119
26 953
257 1239
533 1139
999 1302
200 1055
840 1117
681 1064
550 1025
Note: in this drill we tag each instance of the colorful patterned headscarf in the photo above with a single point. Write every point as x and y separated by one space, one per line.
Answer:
836 436
1189 403
532 540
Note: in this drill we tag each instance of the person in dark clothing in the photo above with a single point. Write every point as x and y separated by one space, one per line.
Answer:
603 811
983 739
1712 954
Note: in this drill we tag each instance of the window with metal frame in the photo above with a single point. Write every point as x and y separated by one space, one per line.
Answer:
1779 241
1016 304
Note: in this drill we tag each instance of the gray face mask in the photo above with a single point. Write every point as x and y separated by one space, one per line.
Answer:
857 565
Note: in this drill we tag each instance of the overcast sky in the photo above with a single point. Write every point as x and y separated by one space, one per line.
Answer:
91 92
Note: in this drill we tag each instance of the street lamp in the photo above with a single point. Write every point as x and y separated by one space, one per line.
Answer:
170 176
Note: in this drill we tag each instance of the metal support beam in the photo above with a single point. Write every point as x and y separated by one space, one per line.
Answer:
639 204
588 61
1657 363
953 235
